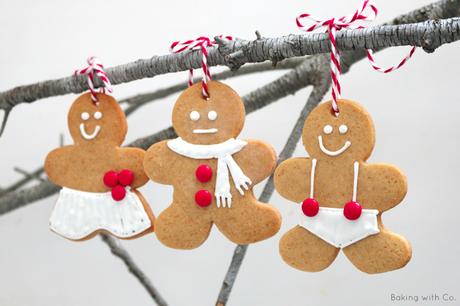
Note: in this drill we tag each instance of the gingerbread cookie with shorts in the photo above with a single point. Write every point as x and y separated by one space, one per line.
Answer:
99 178
342 197
212 172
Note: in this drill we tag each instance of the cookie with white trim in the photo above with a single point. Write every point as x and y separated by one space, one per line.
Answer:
99 178
342 197
212 172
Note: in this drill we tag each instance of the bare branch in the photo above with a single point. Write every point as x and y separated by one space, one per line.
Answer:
20 198
23 181
36 175
117 250
300 77
289 83
428 34
240 251
139 100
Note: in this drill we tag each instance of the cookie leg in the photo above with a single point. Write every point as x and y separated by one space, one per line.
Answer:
175 229
248 222
302 250
379 253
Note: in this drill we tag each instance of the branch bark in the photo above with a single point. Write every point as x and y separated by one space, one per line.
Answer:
428 34
137 101
292 81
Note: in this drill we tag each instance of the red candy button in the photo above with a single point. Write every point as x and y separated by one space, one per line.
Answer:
203 198
310 207
125 177
203 173
352 210
110 179
118 193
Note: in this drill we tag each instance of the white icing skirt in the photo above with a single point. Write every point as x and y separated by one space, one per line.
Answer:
77 214
331 225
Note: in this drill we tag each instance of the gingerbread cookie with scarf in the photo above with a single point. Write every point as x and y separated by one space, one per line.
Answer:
99 178
212 172
342 197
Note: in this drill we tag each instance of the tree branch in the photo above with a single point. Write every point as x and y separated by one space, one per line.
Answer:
428 34
139 100
288 83
117 250
240 251
27 178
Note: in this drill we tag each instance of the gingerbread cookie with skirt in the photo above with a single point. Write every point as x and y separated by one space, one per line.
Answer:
99 178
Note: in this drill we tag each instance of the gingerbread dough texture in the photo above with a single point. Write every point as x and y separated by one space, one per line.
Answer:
86 206
212 172
342 197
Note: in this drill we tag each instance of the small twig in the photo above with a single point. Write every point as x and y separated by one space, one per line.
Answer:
6 114
29 177
61 139
117 250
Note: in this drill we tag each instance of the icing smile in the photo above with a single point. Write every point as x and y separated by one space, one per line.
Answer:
89 136
346 145
205 131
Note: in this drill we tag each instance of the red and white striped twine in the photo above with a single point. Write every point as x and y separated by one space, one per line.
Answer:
95 67
201 43
365 13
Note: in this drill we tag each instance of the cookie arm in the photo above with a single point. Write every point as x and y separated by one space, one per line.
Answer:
292 179
257 160
132 159
160 162
57 164
381 186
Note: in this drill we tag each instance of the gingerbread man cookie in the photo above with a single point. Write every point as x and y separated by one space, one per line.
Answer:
212 173
342 196
99 178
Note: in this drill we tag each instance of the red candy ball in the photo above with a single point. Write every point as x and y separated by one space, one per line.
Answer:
310 207
118 193
203 198
352 210
203 173
126 177
110 179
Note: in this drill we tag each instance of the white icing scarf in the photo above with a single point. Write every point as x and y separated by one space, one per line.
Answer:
223 152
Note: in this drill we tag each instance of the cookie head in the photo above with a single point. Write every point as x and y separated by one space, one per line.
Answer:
350 135
102 122
208 121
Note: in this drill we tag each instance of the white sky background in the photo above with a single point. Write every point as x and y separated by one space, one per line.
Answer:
415 111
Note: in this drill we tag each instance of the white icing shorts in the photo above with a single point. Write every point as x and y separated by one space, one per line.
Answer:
331 225
78 214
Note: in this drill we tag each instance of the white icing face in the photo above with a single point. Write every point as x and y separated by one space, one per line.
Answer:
195 116
85 116
212 115
328 129
343 129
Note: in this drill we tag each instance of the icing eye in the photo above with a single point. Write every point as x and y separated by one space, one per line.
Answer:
327 129
343 129
84 116
194 115
212 115
97 115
